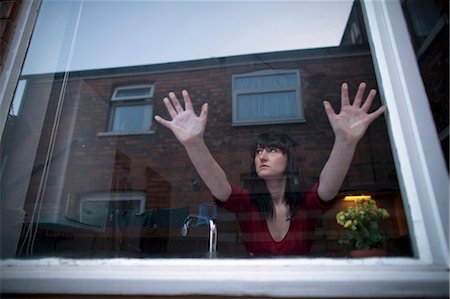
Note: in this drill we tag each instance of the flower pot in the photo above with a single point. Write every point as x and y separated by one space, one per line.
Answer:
367 253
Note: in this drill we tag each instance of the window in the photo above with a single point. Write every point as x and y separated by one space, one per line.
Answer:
424 20
58 158
95 209
267 97
428 26
132 108
17 101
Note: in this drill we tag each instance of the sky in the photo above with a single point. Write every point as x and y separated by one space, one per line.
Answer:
83 35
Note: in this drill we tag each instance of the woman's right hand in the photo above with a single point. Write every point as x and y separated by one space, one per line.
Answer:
185 124
189 128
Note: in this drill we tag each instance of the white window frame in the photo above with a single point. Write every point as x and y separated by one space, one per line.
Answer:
128 101
424 181
297 89
105 198
149 95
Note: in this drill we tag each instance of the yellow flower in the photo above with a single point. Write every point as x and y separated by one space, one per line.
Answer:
348 224
358 220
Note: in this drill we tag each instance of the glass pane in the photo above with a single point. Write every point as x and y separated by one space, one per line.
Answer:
268 81
132 118
423 16
73 187
132 93
428 27
17 101
263 106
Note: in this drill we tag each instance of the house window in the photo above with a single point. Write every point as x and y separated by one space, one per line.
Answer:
132 108
267 97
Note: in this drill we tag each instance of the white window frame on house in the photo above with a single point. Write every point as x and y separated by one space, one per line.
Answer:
150 88
144 100
262 94
424 183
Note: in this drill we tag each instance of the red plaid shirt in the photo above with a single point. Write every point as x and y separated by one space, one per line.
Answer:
255 233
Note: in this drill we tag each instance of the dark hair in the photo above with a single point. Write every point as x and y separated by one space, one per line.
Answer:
259 194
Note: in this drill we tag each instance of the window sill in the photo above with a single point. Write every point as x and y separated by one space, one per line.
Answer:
127 133
373 277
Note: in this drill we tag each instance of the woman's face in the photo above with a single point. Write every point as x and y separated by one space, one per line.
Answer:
270 162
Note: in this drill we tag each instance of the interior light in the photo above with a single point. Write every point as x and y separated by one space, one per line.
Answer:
356 197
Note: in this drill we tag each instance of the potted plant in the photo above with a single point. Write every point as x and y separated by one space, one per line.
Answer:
362 224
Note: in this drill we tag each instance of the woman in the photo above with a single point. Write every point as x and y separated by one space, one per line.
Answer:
274 223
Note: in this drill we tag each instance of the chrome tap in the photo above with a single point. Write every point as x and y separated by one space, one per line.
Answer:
212 244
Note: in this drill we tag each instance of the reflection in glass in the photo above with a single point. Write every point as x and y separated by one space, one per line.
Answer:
131 118
267 97
428 26
267 106
84 176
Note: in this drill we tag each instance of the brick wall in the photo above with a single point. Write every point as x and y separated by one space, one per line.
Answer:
9 10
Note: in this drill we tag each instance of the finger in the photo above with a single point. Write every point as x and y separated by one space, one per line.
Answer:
359 94
374 115
176 103
204 113
329 110
162 121
344 95
187 100
170 108
368 103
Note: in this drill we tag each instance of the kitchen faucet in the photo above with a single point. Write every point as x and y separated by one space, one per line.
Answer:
212 248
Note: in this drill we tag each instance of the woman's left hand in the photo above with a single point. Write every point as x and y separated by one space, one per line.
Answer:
353 120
